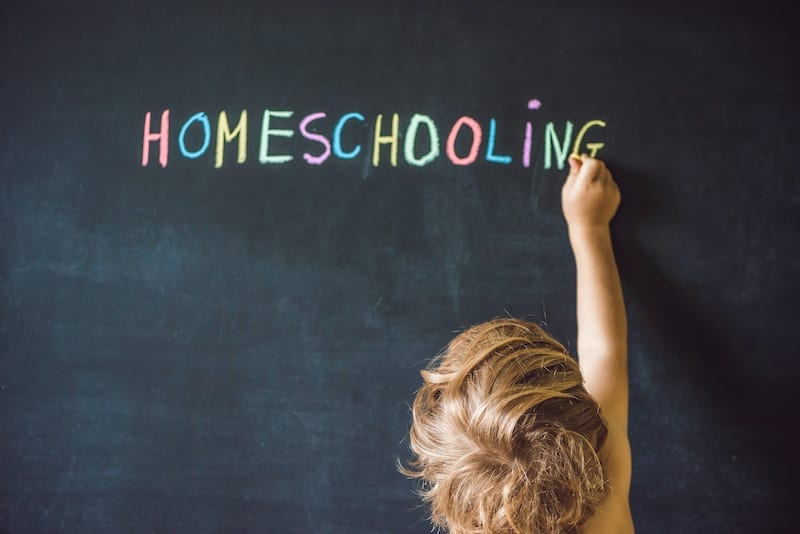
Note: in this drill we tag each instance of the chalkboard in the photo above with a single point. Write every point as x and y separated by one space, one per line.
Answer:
233 233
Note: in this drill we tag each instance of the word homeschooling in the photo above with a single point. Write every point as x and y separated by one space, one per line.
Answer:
465 128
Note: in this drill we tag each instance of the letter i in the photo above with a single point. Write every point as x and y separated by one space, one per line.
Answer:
526 146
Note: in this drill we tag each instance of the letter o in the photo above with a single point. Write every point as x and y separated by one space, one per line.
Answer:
477 133
206 132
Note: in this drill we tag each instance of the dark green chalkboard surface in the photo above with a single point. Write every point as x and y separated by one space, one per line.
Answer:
231 233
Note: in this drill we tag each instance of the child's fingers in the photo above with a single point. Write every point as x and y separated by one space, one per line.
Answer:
590 171
575 164
574 168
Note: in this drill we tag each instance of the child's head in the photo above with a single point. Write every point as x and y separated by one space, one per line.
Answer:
505 434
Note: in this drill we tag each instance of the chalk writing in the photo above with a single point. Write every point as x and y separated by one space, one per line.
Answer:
462 146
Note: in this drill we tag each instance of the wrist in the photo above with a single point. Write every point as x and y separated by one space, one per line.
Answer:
580 234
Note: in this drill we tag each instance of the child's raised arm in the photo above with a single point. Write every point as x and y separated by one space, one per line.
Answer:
589 199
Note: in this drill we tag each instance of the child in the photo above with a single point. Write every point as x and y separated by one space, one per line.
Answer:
510 434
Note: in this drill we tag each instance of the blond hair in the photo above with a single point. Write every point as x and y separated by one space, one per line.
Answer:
505 434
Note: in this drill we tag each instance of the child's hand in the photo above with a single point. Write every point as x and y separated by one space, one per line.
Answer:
590 196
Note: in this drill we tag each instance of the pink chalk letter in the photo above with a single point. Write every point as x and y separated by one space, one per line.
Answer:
162 137
526 146
476 141
321 139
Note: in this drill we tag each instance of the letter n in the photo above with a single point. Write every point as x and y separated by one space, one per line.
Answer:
552 144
